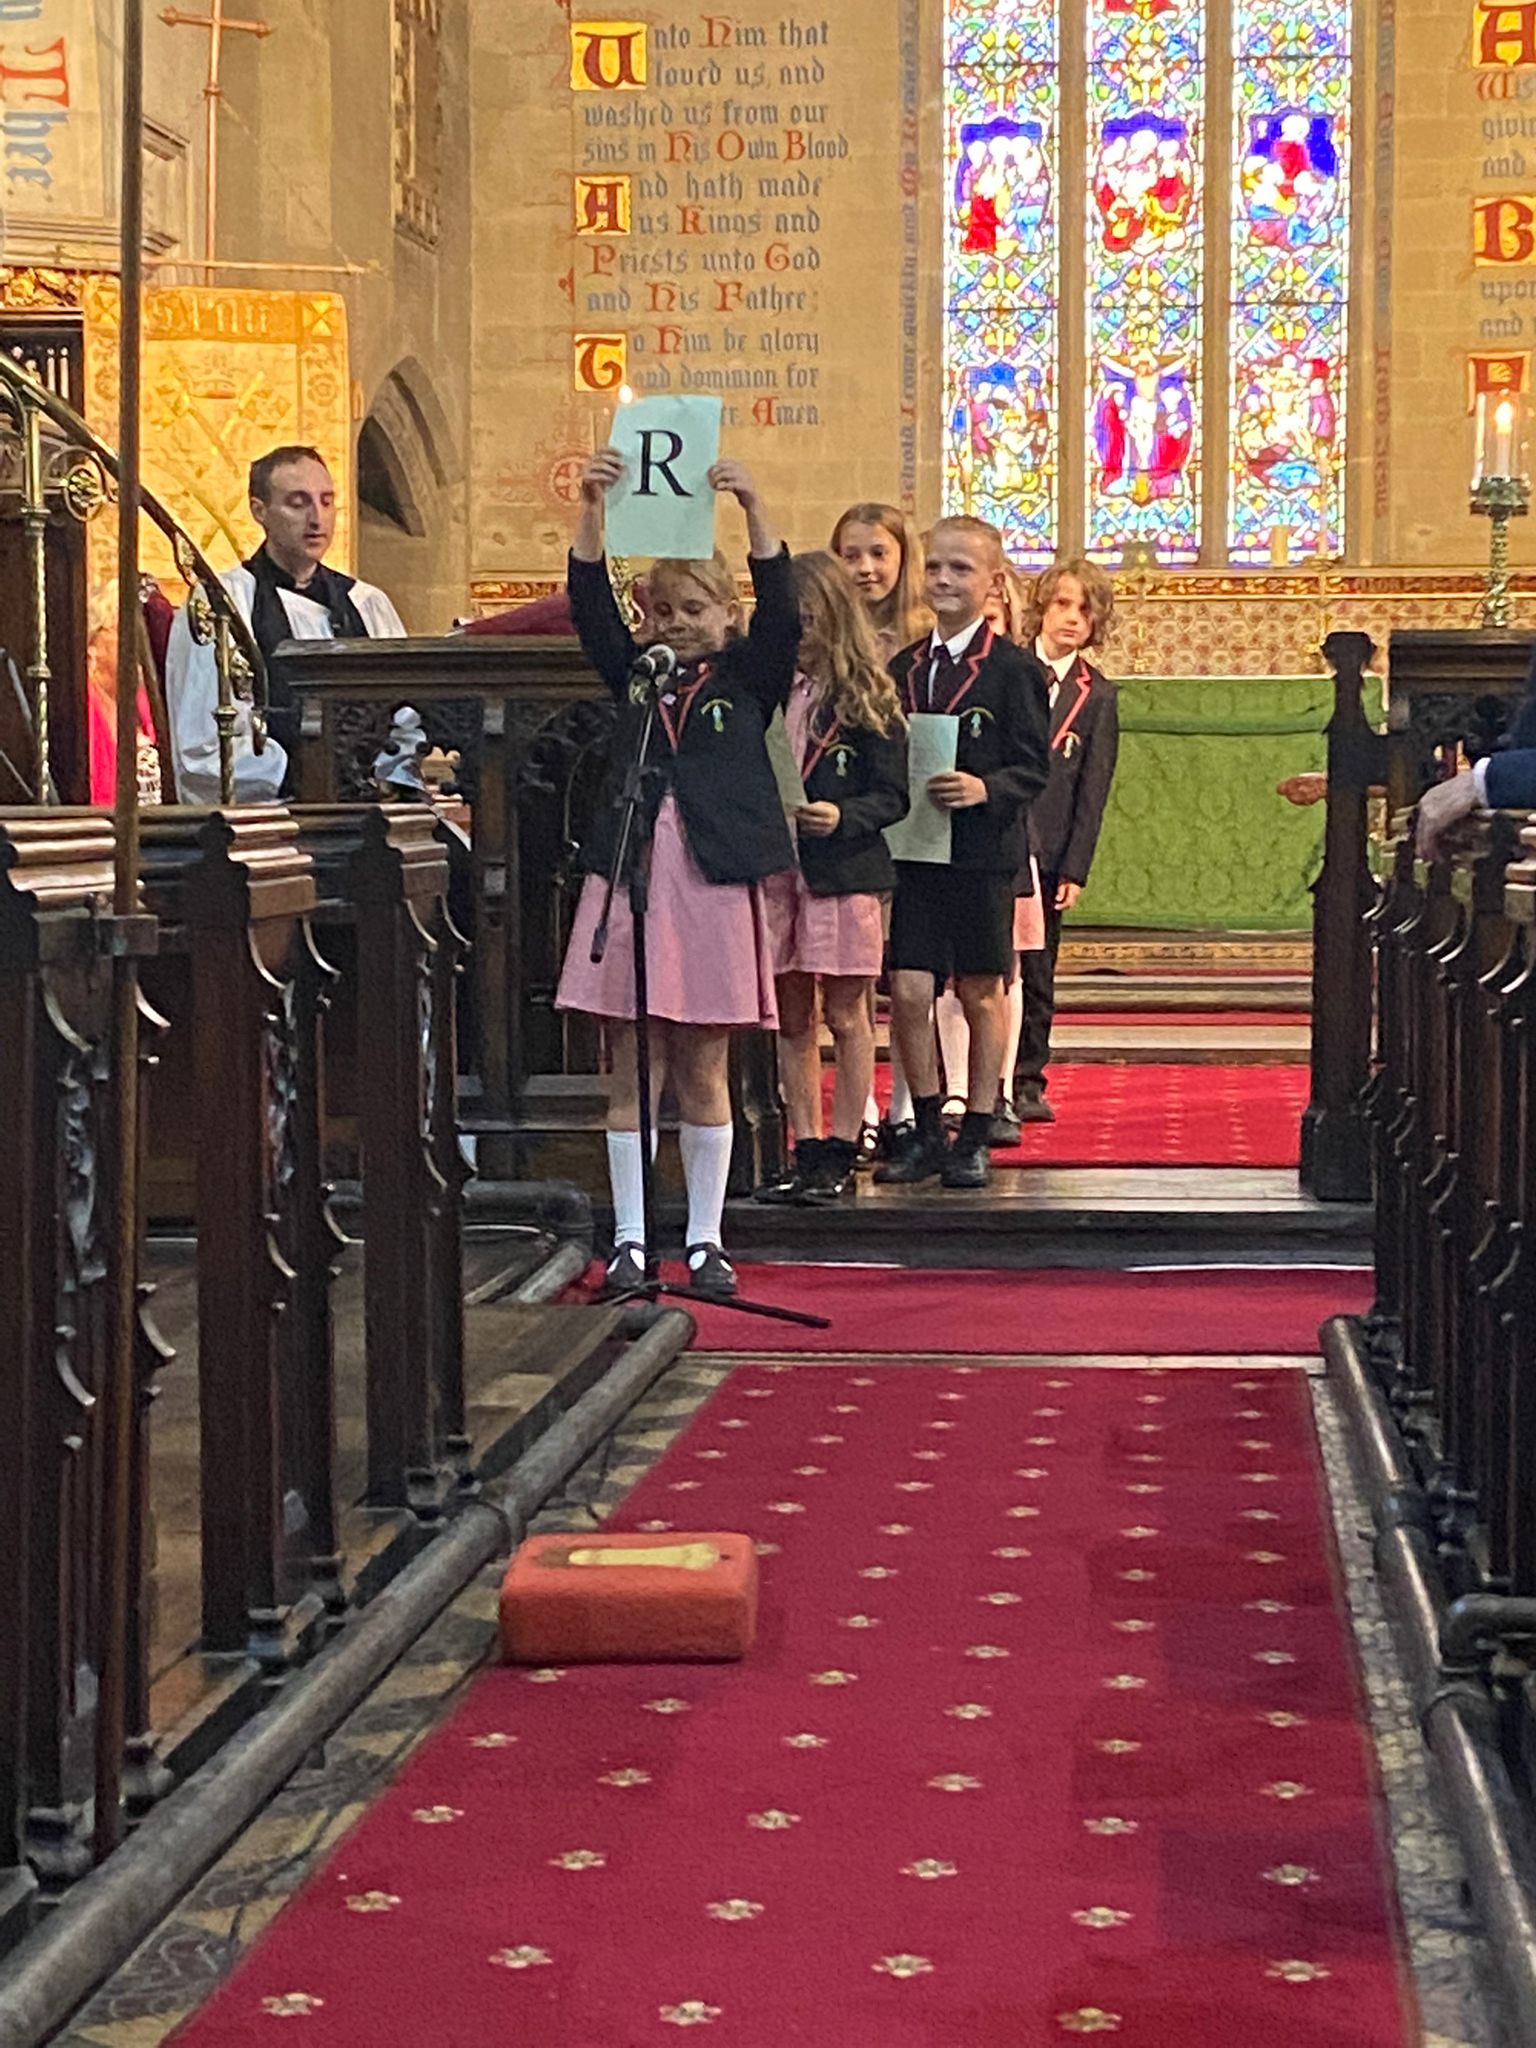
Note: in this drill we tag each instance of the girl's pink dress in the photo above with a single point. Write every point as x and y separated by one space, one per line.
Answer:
707 952
841 935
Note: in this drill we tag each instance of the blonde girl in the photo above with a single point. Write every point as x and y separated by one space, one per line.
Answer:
827 919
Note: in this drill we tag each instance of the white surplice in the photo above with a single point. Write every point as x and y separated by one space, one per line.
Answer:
192 692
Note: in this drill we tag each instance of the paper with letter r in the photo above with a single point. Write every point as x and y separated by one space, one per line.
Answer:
786 769
924 833
663 505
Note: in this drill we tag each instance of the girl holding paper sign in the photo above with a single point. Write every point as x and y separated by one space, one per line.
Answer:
849 737
716 829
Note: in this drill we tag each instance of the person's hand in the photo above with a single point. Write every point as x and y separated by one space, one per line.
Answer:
1067 894
1303 789
1439 810
957 791
736 479
818 821
599 473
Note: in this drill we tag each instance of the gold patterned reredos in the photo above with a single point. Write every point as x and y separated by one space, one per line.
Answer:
227 375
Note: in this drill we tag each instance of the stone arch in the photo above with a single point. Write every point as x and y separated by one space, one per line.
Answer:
408 468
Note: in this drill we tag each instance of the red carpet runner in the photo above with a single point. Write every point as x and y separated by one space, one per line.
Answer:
919 1312
1052 1732
1150 1115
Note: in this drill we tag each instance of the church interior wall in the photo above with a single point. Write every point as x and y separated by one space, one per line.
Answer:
319 189
1456 134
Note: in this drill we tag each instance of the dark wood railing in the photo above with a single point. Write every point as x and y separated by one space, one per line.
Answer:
278 933
1446 692
1439 1377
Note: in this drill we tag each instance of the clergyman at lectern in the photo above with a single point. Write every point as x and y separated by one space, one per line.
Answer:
285 591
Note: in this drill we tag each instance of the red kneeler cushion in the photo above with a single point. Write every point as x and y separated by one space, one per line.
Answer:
592 1598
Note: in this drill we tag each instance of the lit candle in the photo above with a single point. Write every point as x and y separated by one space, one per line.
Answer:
1504 437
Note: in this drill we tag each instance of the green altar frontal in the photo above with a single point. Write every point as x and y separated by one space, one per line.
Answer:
1195 837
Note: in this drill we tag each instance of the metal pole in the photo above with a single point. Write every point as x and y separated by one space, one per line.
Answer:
117 1407
213 92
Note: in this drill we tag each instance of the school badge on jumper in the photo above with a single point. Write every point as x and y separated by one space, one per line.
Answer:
974 719
715 711
842 756
1070 743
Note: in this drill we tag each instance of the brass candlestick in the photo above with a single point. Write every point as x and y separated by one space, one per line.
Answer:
1499 499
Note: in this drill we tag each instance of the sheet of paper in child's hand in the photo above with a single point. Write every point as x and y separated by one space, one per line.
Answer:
786 769
663 505
924 833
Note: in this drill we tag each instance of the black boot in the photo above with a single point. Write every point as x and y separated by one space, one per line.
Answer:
969 1164
791 1185
918 1154
1030 1103
832 1178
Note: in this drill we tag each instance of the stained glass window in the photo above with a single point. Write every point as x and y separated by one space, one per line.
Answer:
1290 276
1002 235
1129 414
1145 270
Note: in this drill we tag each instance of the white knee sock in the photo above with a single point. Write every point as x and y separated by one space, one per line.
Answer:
628 1185
706 1150
1014 996
954 1044
902 1111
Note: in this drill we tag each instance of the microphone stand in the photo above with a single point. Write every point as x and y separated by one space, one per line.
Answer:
632 861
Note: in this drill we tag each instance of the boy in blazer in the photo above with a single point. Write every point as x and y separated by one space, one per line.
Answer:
958 920
1071 609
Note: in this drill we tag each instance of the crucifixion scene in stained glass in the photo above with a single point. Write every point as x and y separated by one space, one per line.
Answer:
1143 347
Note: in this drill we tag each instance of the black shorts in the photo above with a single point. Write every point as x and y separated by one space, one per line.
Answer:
951 921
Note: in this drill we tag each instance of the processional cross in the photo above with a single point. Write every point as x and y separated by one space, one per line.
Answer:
217 24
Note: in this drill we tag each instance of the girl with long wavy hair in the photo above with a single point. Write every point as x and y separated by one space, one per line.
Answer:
826 916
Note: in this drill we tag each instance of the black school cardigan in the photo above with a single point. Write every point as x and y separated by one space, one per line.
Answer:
1000 695
865 774
732 813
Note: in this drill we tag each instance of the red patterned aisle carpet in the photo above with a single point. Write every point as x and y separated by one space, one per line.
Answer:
920 1312
1152 1115
1052 1731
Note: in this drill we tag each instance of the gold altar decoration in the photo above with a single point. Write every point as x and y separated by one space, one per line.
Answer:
228 374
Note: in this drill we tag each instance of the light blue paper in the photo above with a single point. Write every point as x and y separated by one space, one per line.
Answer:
924 834
669 446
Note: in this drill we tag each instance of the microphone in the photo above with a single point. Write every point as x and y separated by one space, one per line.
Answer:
655 664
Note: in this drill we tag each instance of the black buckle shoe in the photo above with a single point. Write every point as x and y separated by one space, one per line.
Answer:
624 1272
969 1164
1005 1125
916 1157
889 1138
714 1276
833 1177
791 1185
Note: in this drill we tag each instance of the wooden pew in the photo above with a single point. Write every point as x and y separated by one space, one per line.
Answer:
56 1196
240 984
1446 690
1450 1108
382 923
